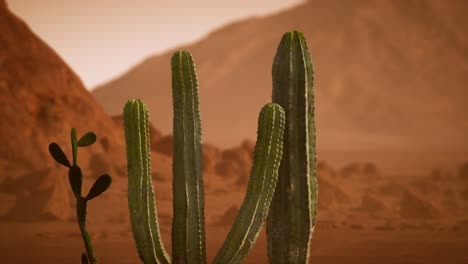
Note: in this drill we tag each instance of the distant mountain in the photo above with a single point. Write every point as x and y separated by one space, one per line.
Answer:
388 74
41 99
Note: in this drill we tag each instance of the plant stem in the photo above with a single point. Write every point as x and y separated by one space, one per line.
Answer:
81 208
74 145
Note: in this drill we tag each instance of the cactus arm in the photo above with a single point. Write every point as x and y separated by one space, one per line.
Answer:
291 219
141 200
262 182
188 229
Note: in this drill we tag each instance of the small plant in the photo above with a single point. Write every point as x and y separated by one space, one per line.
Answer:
188 227
75 177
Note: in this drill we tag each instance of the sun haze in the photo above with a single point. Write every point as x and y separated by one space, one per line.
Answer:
102 39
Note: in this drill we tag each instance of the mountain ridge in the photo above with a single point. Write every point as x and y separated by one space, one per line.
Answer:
41 99
378 72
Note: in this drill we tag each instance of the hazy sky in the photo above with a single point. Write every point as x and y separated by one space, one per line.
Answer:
101 39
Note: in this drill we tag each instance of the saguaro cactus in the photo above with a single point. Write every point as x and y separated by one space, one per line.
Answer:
290 188
188 232
188 227
291 219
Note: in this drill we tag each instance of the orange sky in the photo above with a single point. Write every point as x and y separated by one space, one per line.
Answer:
102 39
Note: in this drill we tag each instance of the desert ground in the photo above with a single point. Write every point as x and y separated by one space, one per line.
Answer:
363 217
57 243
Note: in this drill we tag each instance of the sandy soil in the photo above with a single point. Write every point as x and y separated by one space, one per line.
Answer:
57 242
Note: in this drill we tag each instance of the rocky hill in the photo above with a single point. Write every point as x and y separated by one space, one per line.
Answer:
41 99
388 75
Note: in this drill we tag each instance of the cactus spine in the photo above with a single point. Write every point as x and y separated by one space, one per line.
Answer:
292 215
141 200
188 230
188 227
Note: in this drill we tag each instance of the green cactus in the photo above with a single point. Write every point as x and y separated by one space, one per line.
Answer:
282 187
188 238
75 177
260 189
292 215
142 206
188 230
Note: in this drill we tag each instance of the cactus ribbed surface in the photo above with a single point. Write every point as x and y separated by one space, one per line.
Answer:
188 227
292 215
262 182
141 200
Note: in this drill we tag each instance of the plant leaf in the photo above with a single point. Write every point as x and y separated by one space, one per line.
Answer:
87 140
76 180
99 186
74 145
57 153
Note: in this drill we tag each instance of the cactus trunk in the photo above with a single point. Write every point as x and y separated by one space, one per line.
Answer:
291 219
188 228
81 208
141 201
262 182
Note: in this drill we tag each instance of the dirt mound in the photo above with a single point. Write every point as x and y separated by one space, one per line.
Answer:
165 145
211 155
161 166
463 172
371 204
413 206
324 170
424 186
236 163
391 188
363 172
227 219
40 196
331 196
